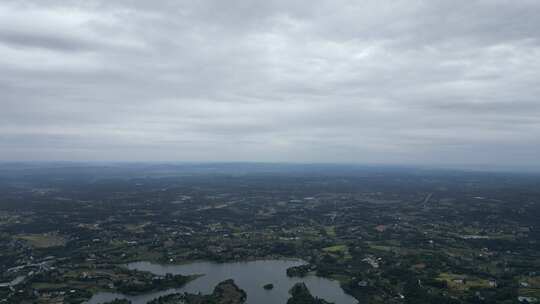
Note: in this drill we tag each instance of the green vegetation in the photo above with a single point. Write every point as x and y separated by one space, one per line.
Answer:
298 271
118 301
462 282
387 236
226 292
45 240
300 295
336 249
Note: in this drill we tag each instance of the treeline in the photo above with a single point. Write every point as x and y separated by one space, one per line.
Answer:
159 283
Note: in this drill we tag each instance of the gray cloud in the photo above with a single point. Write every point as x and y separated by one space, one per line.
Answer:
412 82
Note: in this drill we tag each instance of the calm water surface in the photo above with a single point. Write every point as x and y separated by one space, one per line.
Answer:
250 276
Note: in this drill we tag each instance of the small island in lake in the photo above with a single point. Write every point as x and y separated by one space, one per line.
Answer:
118 301
300 294
299 271
268 286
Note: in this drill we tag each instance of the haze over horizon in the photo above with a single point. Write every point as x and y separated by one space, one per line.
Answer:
447 83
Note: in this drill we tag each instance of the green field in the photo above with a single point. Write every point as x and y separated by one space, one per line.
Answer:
42 240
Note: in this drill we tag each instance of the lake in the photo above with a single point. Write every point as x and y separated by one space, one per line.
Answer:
250 276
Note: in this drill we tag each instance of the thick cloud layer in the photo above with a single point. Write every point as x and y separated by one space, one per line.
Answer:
407 82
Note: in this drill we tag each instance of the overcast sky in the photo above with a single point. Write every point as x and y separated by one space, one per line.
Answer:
395 82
